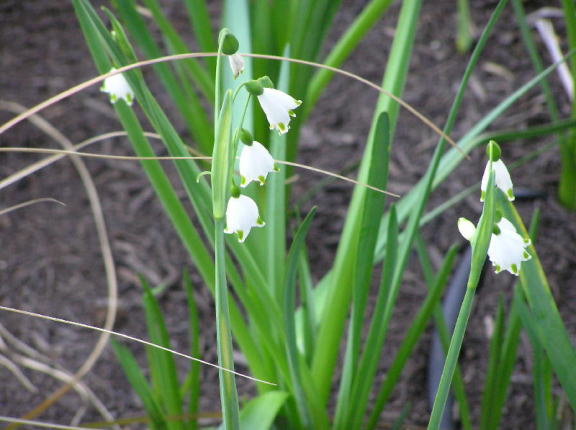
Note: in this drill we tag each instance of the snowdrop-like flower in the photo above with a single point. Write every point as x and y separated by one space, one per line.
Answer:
507 249
118 88
501 179
278 107
236 64
255 164
241 216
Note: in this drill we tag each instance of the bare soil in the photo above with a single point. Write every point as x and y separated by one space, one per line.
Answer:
50 260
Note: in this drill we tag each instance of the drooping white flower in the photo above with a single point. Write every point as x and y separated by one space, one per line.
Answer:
255 164
236 64
241 216
118 88
501 179
507 249
278 107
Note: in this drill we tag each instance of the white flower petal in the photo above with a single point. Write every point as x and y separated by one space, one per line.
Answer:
466 228
255 164
278 107
236 64
117 88
241 216
501 179
507 249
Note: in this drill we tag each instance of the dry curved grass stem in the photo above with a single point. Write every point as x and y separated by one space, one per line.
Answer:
178 57
132 338
105 248
61 152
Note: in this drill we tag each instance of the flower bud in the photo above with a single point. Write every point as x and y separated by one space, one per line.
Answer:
228 42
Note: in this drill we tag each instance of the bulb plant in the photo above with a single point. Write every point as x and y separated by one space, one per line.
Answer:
290 330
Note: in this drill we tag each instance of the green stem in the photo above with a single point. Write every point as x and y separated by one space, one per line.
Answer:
451 359
228 394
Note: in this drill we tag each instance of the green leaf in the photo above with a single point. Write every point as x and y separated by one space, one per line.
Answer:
373 206
260 412
289 317
162 365
139 384
339 294
551 331
192 383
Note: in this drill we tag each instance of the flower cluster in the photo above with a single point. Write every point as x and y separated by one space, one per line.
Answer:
507 249
255 161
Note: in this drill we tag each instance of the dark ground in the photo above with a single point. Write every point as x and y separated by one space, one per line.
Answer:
50 260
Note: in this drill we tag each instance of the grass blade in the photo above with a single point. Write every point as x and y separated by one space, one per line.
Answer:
139 384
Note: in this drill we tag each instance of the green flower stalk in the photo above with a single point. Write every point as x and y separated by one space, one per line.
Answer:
222 167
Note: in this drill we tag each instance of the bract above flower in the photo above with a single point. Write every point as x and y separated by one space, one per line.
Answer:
118 88
507 249
255 164
241 216
236 64
501 179
278 107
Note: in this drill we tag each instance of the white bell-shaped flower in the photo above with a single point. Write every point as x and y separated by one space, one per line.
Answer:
118 88
255 164
241 215
507 249
278 107
501 179
236 64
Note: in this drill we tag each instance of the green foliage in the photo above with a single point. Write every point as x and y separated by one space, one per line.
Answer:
289 329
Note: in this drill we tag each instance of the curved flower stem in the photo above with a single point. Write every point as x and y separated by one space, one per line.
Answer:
228 394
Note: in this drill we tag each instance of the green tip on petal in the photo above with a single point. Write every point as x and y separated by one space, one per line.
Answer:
498 269
493 151
235 191
242 180
496 230
260 222
276 168
240 235
526 255
262 179
482 195
291 113
510 194
281 127
246 137
514 268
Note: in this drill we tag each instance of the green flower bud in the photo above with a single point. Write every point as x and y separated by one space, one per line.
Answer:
493 151
255 88
246 137
228 42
